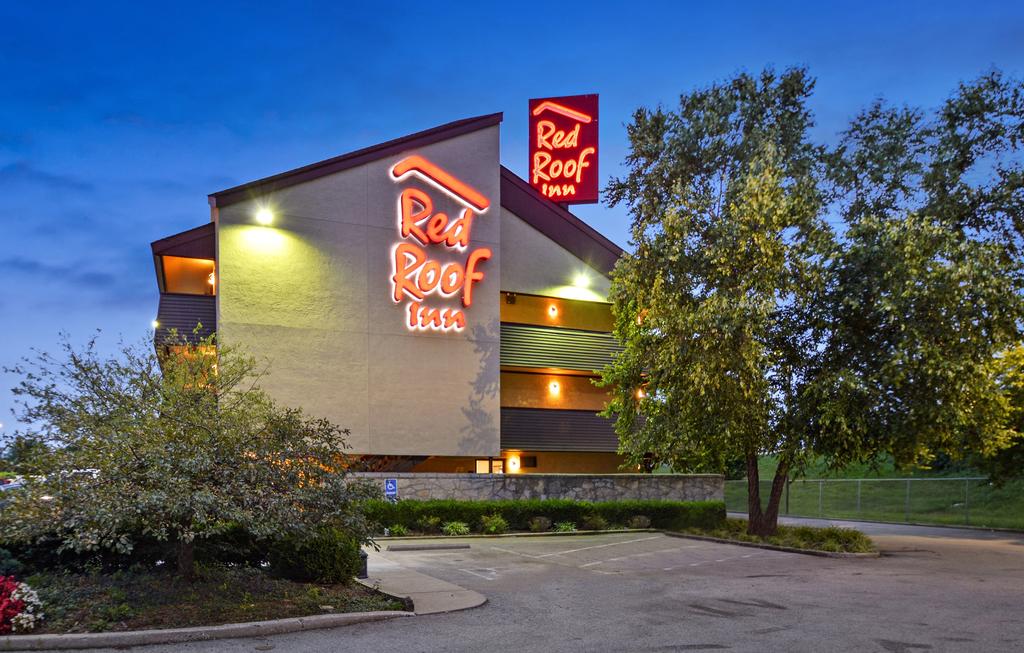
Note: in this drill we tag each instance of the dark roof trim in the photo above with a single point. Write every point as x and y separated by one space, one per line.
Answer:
352 159
558 224
194 243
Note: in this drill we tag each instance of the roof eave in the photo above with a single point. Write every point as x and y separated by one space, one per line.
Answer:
352 159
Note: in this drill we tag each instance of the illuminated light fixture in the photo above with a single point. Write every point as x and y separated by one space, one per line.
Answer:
552 311
581 280
211 278
513 463
264 216
155 324
554 388
640 394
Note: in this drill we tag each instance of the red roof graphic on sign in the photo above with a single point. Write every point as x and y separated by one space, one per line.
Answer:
444 180
555 107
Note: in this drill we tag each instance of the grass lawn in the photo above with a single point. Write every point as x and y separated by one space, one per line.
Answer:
934 497
831 539
94 602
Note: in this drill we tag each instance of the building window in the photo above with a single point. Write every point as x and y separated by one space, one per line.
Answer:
189 276
528 462
490 466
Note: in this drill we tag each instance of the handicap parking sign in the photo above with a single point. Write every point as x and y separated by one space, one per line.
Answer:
391 488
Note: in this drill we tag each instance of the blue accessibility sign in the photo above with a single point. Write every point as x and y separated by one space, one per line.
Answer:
391 488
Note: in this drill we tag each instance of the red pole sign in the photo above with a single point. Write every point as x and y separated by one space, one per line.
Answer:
563 148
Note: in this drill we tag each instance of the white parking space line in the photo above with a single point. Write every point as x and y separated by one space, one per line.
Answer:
599 546
709 562
638 555
490 574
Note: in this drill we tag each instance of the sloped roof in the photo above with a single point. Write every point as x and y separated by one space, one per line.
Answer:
197 242
547 217
352 159
557 223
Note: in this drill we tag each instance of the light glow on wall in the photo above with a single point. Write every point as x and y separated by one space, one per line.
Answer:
513 463
264 240
552 311
554 389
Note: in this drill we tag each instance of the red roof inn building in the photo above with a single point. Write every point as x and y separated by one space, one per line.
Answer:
417 293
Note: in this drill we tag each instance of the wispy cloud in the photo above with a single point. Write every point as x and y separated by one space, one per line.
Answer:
25 173
76 275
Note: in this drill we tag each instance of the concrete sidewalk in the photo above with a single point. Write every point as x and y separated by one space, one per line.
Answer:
429 595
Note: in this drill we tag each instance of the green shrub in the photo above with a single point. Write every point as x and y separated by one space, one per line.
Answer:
9 565
639 521
565 527
539 524
421 515
428 524
398 530
595 523
329 556
493 525
455 528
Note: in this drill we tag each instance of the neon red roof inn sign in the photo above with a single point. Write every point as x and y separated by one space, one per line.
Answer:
563 148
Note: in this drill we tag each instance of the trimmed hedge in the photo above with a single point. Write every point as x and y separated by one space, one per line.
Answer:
671 515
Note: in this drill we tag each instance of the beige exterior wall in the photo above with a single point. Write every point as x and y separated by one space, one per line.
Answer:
533 263
311 296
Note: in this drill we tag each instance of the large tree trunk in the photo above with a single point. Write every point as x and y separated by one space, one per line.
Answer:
764 522
186 560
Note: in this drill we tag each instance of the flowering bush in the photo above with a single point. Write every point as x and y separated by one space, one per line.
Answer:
20 607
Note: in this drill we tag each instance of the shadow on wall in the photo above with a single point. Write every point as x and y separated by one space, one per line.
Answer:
480 433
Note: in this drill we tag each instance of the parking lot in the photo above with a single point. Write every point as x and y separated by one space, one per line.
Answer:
933 589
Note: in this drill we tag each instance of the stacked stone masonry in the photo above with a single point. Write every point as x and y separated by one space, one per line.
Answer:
582 487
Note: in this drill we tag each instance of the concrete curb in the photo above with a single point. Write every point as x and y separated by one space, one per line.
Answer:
193 634
774 547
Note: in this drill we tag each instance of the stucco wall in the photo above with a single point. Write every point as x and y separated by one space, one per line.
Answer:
583 487
533 263
311 296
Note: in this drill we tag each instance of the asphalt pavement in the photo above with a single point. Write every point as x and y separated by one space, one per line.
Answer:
933 589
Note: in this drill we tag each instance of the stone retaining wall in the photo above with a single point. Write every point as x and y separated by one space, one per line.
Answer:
583 487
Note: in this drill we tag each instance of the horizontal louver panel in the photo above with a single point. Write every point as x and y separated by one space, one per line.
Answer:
568 349
531 429
184 312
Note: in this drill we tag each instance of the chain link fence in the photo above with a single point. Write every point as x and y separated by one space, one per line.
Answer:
971 501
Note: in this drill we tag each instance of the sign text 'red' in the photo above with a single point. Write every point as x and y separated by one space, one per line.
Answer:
563 148
416 276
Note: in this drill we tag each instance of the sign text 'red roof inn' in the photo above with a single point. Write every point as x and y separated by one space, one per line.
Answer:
416 275
563 148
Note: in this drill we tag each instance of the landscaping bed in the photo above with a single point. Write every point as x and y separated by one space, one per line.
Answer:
456 517
129 600
831 539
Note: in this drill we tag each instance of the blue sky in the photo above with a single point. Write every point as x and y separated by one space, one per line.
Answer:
116 120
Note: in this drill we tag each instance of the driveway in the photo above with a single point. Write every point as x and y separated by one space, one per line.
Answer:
951 591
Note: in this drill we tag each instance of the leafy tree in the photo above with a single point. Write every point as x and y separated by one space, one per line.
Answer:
179 446
785 299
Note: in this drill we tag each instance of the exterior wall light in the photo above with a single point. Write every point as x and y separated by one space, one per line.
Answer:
581 280
265 216
552 311
640 394
554 388
513 463
155 324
